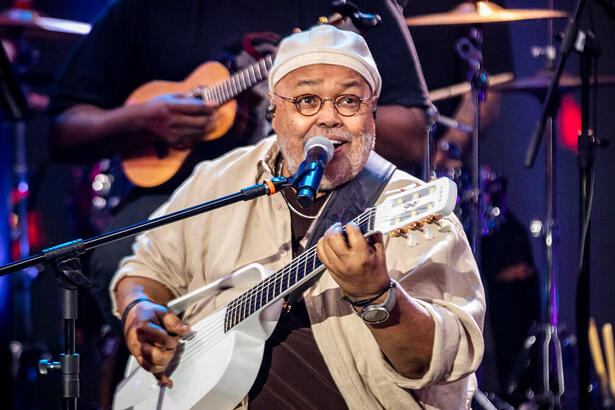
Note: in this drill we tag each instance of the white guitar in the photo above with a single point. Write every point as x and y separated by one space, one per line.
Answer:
216 365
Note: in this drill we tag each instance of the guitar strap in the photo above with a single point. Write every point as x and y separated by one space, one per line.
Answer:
346 203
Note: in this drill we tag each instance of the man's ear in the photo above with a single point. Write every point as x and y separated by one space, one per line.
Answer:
374 106
270 113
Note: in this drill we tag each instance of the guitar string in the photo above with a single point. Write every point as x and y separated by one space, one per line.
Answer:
220 93
256 292
205 336
264 289
208 336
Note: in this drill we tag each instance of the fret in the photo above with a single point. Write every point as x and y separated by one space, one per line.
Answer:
262 69
222 93
251 67
237 84
227 92
268 294
229 88
296 272
287 278
259 299
242 81
257 71
247 81
218 94
246 77
305 268
245 305
214 95
280 279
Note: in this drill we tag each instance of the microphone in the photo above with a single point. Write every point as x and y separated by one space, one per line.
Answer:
318 151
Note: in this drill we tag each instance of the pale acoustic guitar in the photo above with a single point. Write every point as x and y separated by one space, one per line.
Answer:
152 165
216 364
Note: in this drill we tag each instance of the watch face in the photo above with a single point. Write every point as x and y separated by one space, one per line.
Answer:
375 315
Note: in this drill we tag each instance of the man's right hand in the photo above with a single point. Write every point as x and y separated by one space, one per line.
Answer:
177 120
152 334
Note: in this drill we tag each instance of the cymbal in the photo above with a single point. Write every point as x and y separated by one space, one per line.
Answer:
35 24
540 82
481 12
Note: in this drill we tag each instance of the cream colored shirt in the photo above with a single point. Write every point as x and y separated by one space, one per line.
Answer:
436 267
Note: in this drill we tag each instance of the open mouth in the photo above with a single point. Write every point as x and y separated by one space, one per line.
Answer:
337 145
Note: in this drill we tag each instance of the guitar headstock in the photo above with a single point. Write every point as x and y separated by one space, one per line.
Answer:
415 205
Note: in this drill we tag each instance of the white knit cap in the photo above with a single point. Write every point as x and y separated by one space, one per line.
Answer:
325 44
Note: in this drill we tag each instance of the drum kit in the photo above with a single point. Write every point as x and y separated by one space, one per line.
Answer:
475 197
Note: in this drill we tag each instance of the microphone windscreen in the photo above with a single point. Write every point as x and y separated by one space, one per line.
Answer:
319 141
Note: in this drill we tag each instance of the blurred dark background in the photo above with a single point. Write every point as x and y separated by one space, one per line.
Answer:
60 199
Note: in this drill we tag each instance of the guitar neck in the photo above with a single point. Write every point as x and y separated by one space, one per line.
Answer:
236 83
285 280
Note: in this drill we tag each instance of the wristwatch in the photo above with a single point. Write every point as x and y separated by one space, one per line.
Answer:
374 314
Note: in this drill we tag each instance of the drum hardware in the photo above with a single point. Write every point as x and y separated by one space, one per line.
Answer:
476 13
586 44
480 12
538 83
457 90
22 20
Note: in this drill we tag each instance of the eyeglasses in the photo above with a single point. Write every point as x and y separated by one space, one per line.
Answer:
346 105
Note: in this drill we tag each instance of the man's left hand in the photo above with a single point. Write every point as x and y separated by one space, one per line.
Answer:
357 264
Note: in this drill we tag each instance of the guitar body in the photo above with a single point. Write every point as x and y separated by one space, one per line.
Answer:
148 167
211 369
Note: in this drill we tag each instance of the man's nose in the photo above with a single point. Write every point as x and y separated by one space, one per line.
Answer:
328 116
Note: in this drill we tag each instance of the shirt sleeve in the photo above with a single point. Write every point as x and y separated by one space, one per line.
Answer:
395 55
103 69
447 284
160 254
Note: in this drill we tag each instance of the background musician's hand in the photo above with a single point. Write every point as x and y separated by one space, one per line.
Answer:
150 331
177 120
357 264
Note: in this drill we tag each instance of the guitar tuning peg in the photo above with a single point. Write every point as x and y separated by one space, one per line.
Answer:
427 233
411 240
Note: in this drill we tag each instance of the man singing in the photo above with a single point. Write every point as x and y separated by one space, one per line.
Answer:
322 354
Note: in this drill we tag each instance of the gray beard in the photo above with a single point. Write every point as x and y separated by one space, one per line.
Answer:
356 164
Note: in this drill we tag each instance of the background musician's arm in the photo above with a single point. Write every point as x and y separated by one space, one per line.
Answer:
85 132
489 112
400 133
400 117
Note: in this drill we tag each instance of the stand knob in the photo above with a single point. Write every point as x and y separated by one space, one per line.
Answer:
44 366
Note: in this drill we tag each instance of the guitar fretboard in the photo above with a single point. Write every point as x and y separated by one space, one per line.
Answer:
284 280
236 83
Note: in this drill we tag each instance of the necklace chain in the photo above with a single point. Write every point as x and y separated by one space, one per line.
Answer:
278 171
293 210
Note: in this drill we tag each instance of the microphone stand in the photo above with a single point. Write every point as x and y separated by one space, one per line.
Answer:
587 45
66 259
470 50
